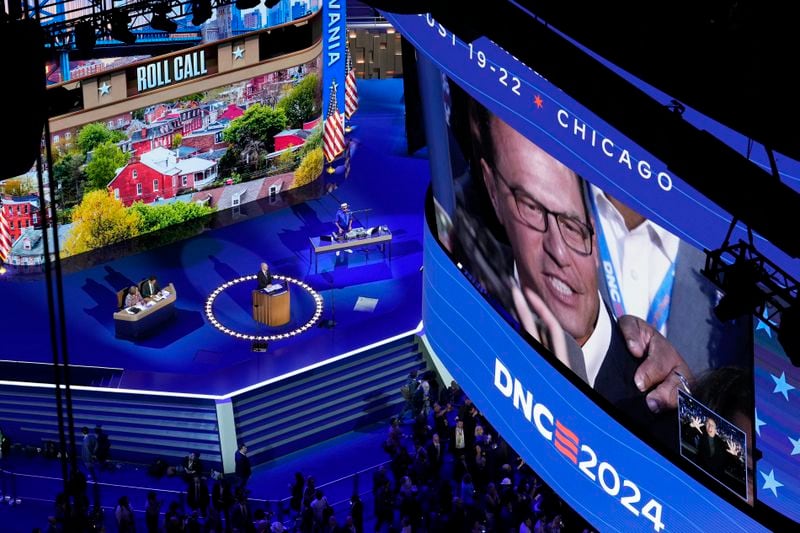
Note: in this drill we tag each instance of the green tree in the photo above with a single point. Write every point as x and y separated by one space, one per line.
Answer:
287 158
176 141
301 103
156 217
100 220
69 177
312 141
93 135
258 126
310 168
106 159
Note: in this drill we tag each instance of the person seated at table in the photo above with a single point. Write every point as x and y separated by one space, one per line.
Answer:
133 297
150 287
264 277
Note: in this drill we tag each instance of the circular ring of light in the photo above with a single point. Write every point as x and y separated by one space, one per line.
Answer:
278 336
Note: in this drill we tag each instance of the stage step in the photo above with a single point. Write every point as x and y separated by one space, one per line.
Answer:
325 402
140 427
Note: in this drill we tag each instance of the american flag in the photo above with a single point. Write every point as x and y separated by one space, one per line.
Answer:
333 129
5 237
350 89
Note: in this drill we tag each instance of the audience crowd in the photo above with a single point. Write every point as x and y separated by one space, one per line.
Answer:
447 470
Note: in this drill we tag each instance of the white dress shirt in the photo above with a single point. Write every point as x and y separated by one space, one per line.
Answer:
641 256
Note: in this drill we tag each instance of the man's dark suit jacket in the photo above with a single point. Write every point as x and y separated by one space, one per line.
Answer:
434 459
146 292
615 383
264 279
692 328
713 462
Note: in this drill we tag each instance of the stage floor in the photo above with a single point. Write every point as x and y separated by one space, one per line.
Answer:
190 355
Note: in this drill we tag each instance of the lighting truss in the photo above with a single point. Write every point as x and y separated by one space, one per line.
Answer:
779 289
59 18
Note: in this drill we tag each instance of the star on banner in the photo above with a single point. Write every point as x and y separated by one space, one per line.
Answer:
104 89
770 483
796 445
759 423
238 53
538 101
781 385
762 324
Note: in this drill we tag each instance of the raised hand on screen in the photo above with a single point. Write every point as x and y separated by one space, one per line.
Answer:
734 448
661 366
539 322
697 424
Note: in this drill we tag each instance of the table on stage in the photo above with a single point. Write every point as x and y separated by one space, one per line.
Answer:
359 237
271 307
150 317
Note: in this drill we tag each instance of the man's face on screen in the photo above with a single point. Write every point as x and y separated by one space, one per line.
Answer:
523 175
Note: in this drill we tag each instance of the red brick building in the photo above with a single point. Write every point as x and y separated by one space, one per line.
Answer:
290 138
206 139
160 174
21 212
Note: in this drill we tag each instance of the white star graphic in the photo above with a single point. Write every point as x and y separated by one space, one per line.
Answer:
238 53
762 324
770 483
781 385
796 444
104 89
759 423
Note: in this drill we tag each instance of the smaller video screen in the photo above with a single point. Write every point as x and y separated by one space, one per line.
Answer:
713 444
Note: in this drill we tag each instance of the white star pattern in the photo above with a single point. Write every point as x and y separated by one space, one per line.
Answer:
104 89
761 323
770 483
759 423
238 53
796 445
781 386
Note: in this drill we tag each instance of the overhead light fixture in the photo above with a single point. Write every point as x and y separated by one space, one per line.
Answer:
247 4
85 36
742 295
271 3
201 11
118 27
160 20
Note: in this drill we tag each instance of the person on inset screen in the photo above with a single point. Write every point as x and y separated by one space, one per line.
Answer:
713 450
541 207
150 287
264 277
133 297
344 223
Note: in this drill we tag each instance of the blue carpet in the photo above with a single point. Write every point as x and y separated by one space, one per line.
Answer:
382 178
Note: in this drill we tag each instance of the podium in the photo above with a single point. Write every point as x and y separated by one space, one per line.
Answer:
272 308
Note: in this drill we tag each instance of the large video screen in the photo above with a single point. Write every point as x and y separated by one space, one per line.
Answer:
173 164
525 276
618 301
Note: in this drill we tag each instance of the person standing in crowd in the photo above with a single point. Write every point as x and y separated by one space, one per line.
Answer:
222 498
89 452
243 469
124 516
103 446
152 512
